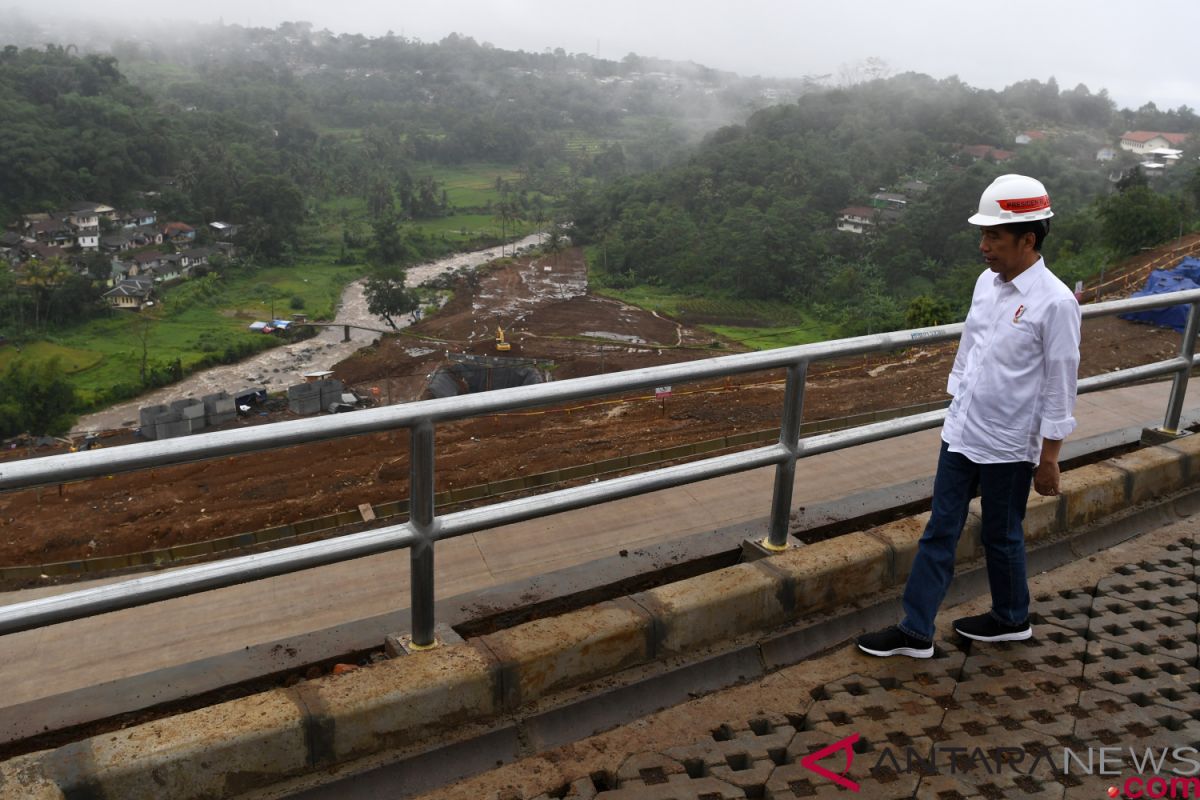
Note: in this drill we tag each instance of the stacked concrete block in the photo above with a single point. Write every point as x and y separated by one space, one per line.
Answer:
304 398
210 400
146 420
219 408
331 391
194 415
171 424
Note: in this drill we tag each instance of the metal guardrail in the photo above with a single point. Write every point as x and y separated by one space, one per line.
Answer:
424 529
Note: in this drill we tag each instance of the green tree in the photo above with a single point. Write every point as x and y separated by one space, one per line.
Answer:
389 247
388 296
270 208
42 279
142 327
36 399
1136 218
554 240
924 312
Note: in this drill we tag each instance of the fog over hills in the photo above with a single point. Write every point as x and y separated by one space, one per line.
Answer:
1137 58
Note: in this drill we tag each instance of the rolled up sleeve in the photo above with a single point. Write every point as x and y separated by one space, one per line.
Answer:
1061 343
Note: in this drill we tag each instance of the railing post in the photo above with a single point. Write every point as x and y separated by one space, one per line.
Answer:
421 492
1187 349
785 473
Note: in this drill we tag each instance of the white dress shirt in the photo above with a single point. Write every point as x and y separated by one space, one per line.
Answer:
1014 377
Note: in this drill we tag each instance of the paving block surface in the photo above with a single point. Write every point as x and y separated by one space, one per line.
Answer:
1111 664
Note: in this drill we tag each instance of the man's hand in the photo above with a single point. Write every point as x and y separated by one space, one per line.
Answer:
1045 479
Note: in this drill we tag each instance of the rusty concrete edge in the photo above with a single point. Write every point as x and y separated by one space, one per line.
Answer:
318 726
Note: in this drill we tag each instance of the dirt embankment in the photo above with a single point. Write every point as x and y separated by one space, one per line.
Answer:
547 314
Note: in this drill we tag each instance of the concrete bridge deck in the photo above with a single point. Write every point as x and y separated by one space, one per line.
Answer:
1112 667
210 631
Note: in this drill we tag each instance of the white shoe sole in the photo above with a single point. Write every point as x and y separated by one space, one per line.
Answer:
1019 636
912 652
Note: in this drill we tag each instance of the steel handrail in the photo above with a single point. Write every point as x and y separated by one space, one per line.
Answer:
424 528
146 455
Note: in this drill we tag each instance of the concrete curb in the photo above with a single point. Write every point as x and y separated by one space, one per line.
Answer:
257 741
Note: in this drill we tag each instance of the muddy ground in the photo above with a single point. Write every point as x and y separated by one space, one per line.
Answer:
547 314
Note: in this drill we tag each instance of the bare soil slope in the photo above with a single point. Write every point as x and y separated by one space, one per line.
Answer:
547 314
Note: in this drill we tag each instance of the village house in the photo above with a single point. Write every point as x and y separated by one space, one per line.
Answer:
889 201
83 215
51 231
1167 156
138 218
979 152
79 226
147 235
88 240
130 238
1143 142
178 232
145 260
99 210
40 251
223 231
168 269
1029 137
131 294
1106 154
117 242
45 236
118 271
196 257
857 219
9 242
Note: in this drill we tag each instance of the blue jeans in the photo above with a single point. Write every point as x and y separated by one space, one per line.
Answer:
1004 491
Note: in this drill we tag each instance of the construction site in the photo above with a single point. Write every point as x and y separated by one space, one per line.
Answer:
548 316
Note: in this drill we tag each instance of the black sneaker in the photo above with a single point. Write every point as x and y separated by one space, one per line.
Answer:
986 628
894 642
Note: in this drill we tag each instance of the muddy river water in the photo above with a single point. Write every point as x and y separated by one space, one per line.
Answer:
280 367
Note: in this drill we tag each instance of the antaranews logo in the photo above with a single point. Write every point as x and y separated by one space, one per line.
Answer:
1163 772
809 762
939 759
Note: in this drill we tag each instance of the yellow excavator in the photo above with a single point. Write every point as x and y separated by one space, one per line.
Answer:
501 345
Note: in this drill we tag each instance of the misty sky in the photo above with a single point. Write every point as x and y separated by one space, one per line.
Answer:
1138 57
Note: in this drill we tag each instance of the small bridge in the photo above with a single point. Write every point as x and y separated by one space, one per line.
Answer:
345 326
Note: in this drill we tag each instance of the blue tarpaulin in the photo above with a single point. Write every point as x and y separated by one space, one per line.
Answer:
1161 281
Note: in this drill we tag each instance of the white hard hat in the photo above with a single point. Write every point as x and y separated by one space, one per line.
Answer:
1012 198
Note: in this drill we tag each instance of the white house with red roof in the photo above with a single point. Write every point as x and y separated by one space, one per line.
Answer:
857 219
1147 141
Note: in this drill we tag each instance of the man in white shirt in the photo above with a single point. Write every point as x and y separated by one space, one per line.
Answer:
1013 384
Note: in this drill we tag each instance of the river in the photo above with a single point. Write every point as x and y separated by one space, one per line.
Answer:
280 367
